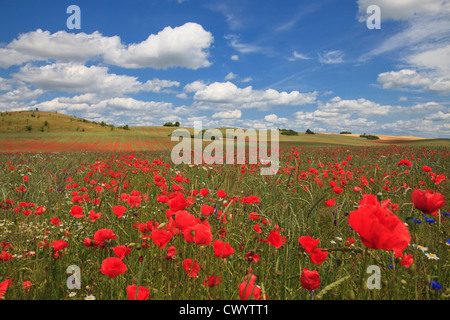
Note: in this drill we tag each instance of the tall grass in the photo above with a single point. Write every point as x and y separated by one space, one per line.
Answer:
292 200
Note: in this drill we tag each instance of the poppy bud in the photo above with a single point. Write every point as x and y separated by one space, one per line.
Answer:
379 196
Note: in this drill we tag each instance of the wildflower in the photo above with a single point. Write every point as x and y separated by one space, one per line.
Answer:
221 194
432 256
275 239
308 243
119 210
252 256
422 248
112 267
200 234
310 280
248 288
191 267
378 227
428 201
171 252
318 256
72 294
89 297
5 256
4 286
77 212
161 237
121 251
104 234
142 292
222 249
212 281
207 210
27 285
429 220
435 285
407 260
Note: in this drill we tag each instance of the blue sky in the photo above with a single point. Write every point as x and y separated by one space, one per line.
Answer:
250 64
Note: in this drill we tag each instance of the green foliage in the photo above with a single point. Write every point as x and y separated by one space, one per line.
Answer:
288 132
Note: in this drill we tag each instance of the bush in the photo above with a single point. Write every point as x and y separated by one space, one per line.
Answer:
345 132
309 131
369 137
288 132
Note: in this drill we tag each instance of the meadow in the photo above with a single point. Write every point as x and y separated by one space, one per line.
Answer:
113 218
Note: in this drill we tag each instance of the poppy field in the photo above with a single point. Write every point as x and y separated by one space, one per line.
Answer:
335 223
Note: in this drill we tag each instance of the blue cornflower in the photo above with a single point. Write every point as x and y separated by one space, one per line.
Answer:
435 285
429 220
416 220
447 242
446 214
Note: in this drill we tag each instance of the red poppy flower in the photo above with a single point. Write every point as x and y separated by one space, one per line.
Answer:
308 243
112 267
257 228
252 256
378 227
183 220
171 252
161 237
204 192
405 162
426 169
59 245
55 221
275 239
191 267
428 201
27 285
221 194
93 215
121 251
88 242
178 203
248 289
318 256
212 281
5 256
254 216
77 212
330 203
310 280
222 249
200 234
119 211
142 292
207 210
338 190
104 234
4 286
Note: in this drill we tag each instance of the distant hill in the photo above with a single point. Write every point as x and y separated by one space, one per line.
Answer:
42 121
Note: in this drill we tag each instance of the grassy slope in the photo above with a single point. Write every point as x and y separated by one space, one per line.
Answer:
68 133
40 121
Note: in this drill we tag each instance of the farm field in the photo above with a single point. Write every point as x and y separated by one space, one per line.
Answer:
114 209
